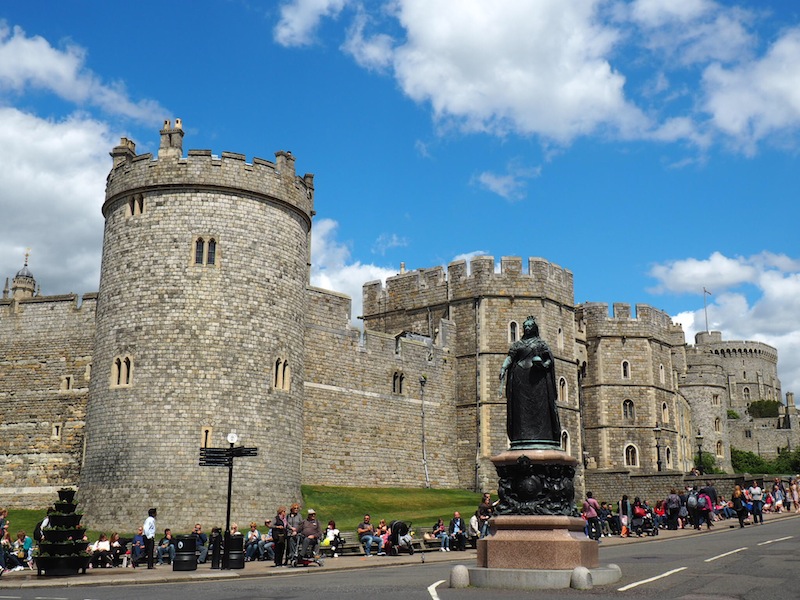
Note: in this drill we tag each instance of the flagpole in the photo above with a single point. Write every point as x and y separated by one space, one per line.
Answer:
705 306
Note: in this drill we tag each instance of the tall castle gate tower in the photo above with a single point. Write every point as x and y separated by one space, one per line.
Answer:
488 309
199 333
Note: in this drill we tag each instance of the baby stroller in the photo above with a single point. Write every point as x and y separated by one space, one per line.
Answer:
648 525
399 538
310 558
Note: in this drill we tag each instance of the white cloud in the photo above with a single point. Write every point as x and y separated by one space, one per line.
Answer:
31 62
331 269
371 52
770 317
512 184
53 180
756 99
386 241
301 18
530 67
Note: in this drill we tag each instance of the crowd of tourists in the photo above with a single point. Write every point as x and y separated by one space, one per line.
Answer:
692 507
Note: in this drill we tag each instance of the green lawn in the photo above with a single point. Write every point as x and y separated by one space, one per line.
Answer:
345 505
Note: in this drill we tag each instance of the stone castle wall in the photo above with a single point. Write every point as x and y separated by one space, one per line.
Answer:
204 336
45 366
360 427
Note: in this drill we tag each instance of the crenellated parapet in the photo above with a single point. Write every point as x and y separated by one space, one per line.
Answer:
647 322
432 287
275 181
712 342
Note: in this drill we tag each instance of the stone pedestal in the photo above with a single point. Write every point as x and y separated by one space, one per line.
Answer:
536 525
537 542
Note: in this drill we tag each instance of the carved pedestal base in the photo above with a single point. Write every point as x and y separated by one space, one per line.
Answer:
537 542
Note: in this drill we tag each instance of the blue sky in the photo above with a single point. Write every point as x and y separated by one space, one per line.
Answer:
649 146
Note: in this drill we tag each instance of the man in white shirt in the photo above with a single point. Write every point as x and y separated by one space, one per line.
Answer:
757 494
149 536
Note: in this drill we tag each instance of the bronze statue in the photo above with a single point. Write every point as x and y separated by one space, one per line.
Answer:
530 386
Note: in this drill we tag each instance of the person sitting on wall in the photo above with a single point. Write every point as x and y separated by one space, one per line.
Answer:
118 549
23 547
101 552
201 542
137 547
165 546
457 532
251 542
310 532
367 537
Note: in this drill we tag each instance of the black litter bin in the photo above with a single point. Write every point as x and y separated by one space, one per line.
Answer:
236 552
185 553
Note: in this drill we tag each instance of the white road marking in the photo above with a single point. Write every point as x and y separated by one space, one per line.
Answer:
726 554
432 589
783 539
643 581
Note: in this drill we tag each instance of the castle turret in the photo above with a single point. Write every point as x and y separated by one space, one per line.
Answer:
24 284
200 332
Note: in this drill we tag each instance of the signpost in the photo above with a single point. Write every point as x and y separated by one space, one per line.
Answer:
223 457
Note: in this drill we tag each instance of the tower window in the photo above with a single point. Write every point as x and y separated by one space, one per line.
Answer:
398 379
199 251
513 329
746 394
628 411
664 413
282 377
565 442
563 394
122 371
205 251
631 456
626 369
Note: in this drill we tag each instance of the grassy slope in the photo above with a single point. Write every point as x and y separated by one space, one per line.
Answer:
345 505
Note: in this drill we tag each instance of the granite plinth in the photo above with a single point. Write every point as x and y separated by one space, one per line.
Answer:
537 542
542 579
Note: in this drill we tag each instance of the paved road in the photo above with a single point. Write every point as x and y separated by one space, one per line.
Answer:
752 564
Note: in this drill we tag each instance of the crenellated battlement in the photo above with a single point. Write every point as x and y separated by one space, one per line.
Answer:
712 342
132 173
431 287
646 322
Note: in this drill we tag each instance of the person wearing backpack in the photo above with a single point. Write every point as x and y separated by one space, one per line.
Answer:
704 508
591 511
673 505
691 505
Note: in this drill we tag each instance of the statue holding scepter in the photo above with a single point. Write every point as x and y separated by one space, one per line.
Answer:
530 386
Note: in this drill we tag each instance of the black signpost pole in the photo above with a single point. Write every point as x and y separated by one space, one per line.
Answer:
226 553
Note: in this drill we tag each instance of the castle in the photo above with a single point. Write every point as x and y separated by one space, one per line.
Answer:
205 324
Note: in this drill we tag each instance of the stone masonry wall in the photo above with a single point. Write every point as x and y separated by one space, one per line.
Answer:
43 342
358 431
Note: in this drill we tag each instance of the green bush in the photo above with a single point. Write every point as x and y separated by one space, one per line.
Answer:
732 414
748 462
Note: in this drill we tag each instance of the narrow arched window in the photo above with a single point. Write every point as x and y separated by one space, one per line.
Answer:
212 252
628 411
720 449
126 369
286 376
664 413
668 454
565 442
199 251
626 369
631 456
562 390
512 332
717 425
278 382
116 374
560 338
746 394
661 374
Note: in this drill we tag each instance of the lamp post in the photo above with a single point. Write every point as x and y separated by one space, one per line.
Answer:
657 432
699 439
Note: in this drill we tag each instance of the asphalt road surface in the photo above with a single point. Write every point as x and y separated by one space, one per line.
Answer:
755 563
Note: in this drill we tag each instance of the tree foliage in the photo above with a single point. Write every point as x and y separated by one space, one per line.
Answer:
748 462
764 409
732 414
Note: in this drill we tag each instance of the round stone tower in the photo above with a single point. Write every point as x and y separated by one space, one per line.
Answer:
200 326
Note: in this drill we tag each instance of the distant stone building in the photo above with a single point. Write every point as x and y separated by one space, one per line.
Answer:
205 324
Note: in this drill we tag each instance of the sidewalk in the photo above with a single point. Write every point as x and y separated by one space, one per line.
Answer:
165 574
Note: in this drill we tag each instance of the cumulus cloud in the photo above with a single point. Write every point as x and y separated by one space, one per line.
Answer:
53 180
759 98
512 184
32 63
370 51
301 18
332 269
769 315
386 241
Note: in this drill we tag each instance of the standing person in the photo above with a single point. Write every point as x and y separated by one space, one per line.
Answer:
673 506
485 511
793 491
738 505
757 494
293 522
279 535
625 516
149 532
591 511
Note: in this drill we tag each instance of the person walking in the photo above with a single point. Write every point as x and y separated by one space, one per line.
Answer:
149 528
591 512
